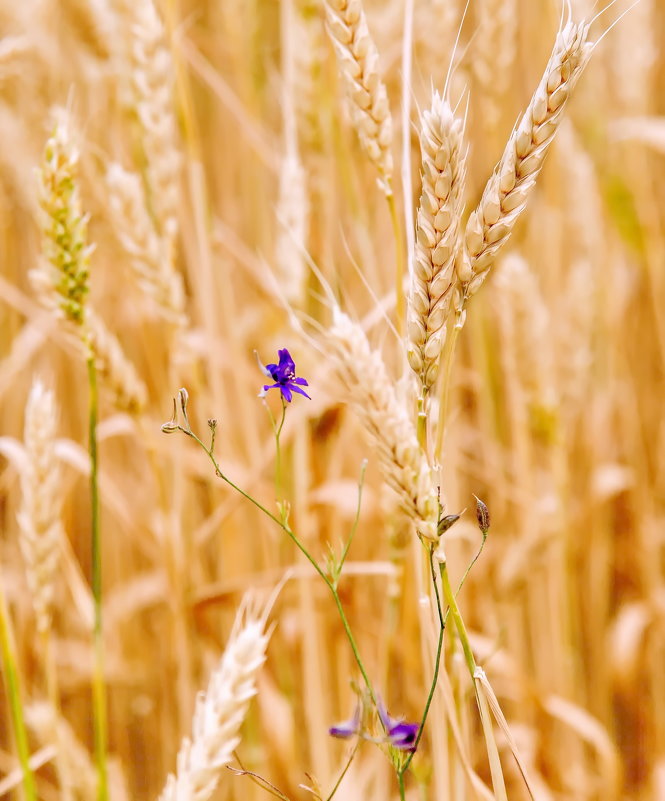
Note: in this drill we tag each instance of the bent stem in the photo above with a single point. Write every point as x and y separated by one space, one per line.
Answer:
301 547
100 725
485 718
14 697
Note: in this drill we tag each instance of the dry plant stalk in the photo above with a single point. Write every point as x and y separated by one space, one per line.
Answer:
293 218
39 515
392 433
153 80
220 711
359 63
508 190
151 256
437 238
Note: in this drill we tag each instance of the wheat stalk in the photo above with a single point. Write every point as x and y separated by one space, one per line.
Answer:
151 256
392 433
358 59
437 238
220 711
507 192
39 515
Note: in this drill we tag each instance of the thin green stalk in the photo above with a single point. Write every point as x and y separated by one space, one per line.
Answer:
354 527
54 700
14 696
400 305
279 489
344 770
400 782
437 662
100 724
296 541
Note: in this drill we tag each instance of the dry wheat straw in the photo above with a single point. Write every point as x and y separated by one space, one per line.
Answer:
151 256
39 515
220 712
117 371
153 82
392 433
508 190
293 219
437 237
359 63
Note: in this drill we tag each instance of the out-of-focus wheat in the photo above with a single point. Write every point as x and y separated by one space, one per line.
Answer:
359 63
151 256
293 219
39 515
494 46
152 76
437 238
384 417
220 712
508 190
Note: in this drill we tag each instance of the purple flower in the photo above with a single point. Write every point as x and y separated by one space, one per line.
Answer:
284 376
400 734
347 728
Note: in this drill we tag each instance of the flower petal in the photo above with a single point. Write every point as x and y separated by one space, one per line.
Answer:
298 390
286 392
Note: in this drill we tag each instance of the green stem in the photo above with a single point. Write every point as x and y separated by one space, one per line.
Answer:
14 695
354 527
437 662
278 459
100 725
400 305
449 595
400 782
296 541
344 770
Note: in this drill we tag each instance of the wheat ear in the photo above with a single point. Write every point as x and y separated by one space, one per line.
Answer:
39 515
114 367
437 238
392 433
514 177
61 279
151 256
153 80
220 711
359 63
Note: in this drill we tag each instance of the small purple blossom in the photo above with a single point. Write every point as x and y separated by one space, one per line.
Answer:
347 728
400 735
284 376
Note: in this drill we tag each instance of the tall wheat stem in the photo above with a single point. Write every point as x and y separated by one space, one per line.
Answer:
100 723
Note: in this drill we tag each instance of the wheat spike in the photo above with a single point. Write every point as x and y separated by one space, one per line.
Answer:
437 237
61 280
514 177
152 80
151 256
114 367
359 63
39 515
220 711
392 433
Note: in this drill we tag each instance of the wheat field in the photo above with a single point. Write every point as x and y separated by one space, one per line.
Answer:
188 187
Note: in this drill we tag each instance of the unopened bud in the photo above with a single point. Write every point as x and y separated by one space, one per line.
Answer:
212 424
184 399
482 516
445 523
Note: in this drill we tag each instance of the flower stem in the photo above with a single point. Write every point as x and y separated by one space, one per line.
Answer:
98 685
296 541
14 696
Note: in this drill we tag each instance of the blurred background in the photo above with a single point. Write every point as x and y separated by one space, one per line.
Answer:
215 147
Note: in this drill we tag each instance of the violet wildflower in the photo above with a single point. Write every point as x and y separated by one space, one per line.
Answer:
284 376
347 728
400 734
